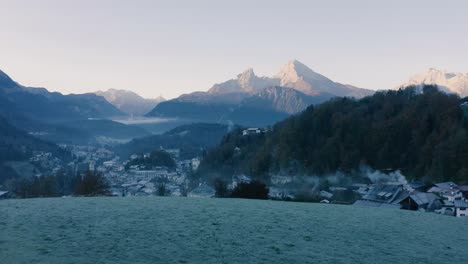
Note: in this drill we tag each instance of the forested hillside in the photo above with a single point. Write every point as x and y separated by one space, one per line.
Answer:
423 135
17 145
191 139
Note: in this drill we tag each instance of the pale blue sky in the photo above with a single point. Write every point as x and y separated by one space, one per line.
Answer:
174 47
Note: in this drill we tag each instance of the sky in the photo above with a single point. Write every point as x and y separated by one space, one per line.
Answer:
173 47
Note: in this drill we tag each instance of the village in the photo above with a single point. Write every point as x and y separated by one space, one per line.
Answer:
445 198
140 179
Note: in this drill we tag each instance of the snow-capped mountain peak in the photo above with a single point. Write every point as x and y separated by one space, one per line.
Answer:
295 75
454 82
129 102
294 71
246 82
246 79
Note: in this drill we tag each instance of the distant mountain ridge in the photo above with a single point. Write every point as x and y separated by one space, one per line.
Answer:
40 104
130 102
454 82
52 116
252 100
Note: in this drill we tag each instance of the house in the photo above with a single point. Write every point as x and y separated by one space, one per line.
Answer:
418 186
384 195
446 185
110 163
279 194
202 191
251 131
464 190
461 208
448 190
4 194
360 188
450 211
421 201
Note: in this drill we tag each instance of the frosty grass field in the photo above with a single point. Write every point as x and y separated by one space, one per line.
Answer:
188 230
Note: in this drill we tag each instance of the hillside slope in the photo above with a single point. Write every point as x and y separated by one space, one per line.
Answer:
425 136
180 230
191 139
20 102
17 145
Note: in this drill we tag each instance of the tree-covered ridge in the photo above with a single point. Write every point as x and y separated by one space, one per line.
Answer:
191 139
16 144
156 158
423 135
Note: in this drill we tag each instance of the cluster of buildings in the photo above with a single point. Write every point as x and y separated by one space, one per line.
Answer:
87 158
144 180
252 131
445 198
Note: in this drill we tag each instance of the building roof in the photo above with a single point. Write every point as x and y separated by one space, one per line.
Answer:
422 198
463 188
417 184
387 193
446 185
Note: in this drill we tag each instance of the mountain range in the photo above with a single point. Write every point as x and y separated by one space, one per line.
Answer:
293 75
130 102
40 104
247 100
253 100
453 82
74 118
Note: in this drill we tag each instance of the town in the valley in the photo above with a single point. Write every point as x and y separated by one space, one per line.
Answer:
130 178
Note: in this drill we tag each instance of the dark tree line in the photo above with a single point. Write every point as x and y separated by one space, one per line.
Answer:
424 135
156 158
249 190
89 184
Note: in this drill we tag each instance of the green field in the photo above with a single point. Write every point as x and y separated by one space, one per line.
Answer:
189 230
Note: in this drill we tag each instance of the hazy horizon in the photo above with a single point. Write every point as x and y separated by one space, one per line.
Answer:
164 48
